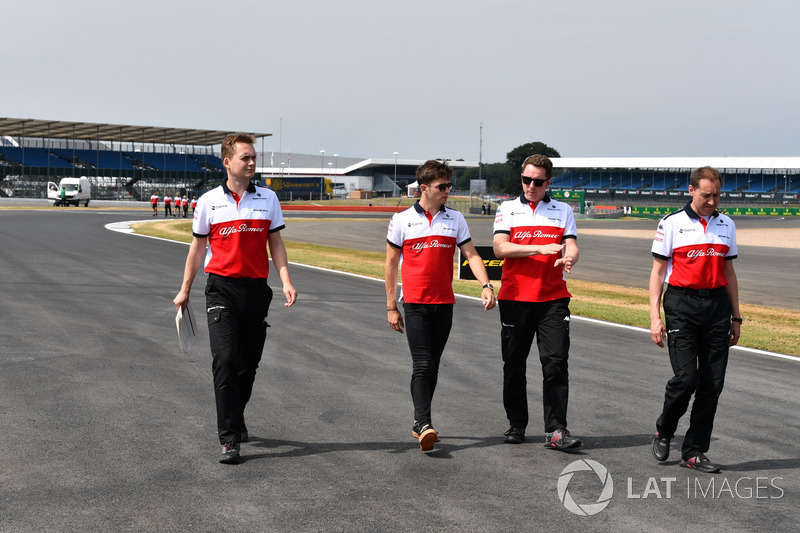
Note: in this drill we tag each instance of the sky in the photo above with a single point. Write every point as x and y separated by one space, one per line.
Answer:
469 79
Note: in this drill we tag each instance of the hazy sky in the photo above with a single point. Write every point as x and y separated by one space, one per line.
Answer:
366 78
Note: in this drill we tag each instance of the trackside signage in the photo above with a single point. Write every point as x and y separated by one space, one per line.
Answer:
494 266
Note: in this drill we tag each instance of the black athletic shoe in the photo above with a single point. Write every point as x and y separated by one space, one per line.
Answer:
244 437
701 464
426 435
230 453
560 439
415 431
514 435
660 448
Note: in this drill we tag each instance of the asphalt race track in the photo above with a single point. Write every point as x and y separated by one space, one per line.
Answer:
107 426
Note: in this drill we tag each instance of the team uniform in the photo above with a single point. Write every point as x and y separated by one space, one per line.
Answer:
428 243
697 311
534 301
154 203
167 206
237 294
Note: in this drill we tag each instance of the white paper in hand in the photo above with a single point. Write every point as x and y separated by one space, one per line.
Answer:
187 328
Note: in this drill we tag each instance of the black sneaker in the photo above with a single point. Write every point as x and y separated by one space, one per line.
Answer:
660 448
415 431
230 453
426 435
514 435
244 437
560 439
701 464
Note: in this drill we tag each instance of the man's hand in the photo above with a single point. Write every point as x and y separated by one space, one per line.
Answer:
395 320
290 293
658 332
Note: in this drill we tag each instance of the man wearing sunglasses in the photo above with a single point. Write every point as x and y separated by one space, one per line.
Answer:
426 236
537 238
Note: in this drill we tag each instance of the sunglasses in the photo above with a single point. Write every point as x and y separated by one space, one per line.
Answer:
527 181
444 186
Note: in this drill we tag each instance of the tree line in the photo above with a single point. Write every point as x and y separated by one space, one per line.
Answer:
504 177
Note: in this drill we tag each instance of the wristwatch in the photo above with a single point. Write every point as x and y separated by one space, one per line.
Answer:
488 286
737 319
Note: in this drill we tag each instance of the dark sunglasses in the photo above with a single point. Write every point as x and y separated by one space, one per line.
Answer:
527 181
444 186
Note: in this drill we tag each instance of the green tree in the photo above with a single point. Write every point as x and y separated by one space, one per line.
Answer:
515 158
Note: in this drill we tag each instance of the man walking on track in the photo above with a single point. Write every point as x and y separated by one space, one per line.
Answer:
693 253
426 236
537 238
236 228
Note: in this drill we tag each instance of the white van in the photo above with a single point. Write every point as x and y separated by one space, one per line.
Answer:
70 191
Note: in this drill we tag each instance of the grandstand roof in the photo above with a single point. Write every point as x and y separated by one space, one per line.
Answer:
678 162
58 129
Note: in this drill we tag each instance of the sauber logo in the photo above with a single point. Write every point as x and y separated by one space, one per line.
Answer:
710 252
432 244
535 235
242 228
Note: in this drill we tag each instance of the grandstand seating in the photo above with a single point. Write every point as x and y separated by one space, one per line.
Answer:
33 157
96 158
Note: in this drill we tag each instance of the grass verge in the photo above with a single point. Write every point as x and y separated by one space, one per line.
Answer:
765 328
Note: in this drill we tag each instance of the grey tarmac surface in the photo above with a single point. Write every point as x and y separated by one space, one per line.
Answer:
107 426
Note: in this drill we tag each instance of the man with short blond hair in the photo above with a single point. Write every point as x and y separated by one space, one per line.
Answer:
236 228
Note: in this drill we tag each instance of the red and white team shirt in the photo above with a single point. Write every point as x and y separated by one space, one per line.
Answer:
194 203
154 199
237 231
428 246
695 248
534 278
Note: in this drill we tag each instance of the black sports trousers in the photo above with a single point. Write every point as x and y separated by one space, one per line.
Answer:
237 311
698 330
549 323
427 330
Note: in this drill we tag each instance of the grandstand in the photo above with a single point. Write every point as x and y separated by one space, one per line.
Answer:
751 179
120 160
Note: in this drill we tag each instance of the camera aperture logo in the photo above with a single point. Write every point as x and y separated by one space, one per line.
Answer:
585 509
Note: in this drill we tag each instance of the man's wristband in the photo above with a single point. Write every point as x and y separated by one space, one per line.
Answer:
737 319
488 286
391 309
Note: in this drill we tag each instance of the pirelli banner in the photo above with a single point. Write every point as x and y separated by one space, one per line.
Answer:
494 266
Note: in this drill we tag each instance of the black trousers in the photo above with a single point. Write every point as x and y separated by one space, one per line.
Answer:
698 330
427 330
549 323
237 311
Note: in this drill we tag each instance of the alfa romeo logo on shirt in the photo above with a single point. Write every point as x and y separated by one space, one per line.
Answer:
585 509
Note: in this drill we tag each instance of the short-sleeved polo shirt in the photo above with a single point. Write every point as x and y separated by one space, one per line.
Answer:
534 278
428 248
237 231
696 251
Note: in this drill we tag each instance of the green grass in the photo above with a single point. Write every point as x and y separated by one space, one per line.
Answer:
765 328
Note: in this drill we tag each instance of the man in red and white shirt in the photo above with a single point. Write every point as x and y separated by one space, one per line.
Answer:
537 238
154 203
426 236
167 205
236 227
693 253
